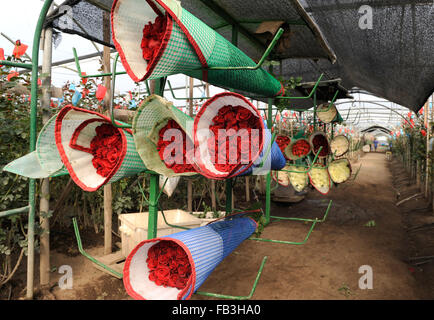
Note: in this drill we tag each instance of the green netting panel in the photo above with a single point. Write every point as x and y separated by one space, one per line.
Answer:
78 125
189 46
225 54
152 115
45 161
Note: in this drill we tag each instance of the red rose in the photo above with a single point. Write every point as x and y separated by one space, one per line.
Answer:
162 272
243 114
171 264
222 111
112 156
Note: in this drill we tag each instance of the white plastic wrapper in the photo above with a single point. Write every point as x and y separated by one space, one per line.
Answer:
340 170
339 145
170 186
320 179
299 181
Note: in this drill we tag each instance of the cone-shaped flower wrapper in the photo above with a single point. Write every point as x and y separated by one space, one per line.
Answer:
45 161
181 262
274 161
93 150
297 149
228 136
281 177
162 134
298 179
320 179
282 142
325 113
157 38
339 145
340 170
317 140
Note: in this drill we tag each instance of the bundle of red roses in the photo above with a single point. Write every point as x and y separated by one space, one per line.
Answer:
106 148
181 147
168 265
282 142
229 123
152 36
301 148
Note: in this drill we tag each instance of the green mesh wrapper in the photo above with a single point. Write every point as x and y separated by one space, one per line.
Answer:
45 161
152 115
189 46
78 125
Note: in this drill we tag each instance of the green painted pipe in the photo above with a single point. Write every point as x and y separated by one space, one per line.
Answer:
224 296
112 93
288 242
311 92
307 220
16 64
12 212
77 64
310 167
84 253
33 117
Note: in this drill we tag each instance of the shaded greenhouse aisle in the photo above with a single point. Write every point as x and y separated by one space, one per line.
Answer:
327 266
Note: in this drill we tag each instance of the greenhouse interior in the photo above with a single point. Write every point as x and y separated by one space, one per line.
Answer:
217 150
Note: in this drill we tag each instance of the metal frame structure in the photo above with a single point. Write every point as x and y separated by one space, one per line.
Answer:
155 191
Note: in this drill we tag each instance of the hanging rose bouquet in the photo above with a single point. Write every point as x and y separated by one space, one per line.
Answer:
282 142
229 123
106 149
180 149
168 265
152 37
301 148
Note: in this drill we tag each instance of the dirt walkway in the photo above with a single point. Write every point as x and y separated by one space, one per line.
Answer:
326 267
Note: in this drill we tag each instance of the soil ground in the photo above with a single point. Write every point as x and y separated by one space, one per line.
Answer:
325 267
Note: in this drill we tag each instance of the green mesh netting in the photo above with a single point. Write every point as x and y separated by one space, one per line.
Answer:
191 45
152 115
45 161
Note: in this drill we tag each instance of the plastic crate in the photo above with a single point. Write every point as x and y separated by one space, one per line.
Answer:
134 226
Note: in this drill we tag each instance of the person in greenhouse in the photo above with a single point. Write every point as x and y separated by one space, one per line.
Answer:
375 145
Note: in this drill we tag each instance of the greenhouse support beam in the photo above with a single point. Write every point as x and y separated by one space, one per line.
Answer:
154 194
16 64
88 256
112 96
224 296
268 179
33 114
12 212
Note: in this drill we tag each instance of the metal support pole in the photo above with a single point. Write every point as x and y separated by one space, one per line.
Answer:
44 204
190 112
157 87
268 181
33 115
108 196
228 196
153 206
